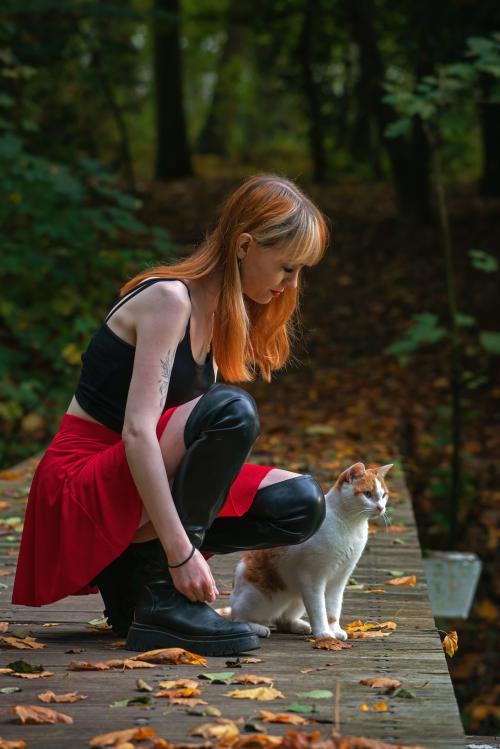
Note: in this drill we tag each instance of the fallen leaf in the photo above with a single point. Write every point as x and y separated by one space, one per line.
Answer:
330 643
171 655
409 580
257 741
51 624
24 643
143 686
128 663
187 701
15 744
10 690
224 731
252 679
169 693
380 707
144 700
269 717
4 626
86 666
220 677
381 682
296 707
179 684
3 573
364 707
367 635
40 675
450 643
374 590
260 693
39 715
49 696
359 626
115 738
396 529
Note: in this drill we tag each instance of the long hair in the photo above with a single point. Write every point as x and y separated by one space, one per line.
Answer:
248 335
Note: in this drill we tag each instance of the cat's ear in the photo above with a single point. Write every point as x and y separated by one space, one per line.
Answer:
384 469
356 471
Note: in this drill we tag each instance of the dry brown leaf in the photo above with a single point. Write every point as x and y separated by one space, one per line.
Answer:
381 682
49 696
51 624
171 655
396 529
86 666
269 717
38 675
260 693
6 572
187 701
409 580
257 741
224 731
330 643
39 715
374 590
21 643
115 738
179 684
15 744
4 626
366 635
380 707
450 643
184 692
360 626
128 663
9 475
252 679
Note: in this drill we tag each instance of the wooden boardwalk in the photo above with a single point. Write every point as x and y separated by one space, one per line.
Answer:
412 653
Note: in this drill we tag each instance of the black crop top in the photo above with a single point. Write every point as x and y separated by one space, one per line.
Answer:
104 382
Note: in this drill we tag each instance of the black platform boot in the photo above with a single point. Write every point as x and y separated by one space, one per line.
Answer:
219 435
282 514
119 596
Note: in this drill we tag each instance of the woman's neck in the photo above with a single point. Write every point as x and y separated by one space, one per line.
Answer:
207 291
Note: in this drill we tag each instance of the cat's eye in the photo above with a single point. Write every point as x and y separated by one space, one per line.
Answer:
369 495
287 270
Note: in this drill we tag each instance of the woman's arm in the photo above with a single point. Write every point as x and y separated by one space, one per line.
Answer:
160 325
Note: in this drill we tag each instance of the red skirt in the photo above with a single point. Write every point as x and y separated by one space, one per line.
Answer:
84 509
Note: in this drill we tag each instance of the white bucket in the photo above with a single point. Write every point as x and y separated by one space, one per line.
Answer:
452 578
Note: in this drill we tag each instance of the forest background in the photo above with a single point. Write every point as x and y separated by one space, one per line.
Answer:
123 125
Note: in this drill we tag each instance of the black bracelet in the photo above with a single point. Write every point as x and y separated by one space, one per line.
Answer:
173 566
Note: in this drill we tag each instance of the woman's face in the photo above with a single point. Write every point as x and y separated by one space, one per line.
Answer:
265 270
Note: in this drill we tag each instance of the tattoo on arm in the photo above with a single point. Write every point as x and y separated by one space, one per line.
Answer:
166 370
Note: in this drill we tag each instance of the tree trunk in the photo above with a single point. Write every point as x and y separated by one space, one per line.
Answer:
311 92
172 150
213 137
407 171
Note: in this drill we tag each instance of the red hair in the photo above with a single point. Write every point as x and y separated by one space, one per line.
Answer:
246 334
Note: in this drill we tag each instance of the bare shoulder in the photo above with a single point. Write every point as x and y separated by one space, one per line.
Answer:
169 298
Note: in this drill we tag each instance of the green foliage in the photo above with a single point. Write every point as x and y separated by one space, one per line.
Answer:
483 261
70 238
425 329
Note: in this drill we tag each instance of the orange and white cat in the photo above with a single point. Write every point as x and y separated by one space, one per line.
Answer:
277 586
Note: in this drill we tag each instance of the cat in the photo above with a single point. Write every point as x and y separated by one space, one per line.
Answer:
277 586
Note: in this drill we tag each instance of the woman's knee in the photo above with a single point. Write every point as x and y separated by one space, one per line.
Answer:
297 504
225 406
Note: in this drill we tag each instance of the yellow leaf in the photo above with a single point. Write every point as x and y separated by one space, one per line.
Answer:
380 707
450 643
49 696
260 693
186 692
179 683
374 590
364 707
39 715
410 580
269 717
15 744
21 643
115 738
171 655
224 731
71 353
252 679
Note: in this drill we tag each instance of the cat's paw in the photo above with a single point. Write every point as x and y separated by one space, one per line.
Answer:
259 629
300 627
339 633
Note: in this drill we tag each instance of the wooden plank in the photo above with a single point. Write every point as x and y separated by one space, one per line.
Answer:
413 654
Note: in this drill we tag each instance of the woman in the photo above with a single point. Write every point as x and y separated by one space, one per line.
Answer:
147 471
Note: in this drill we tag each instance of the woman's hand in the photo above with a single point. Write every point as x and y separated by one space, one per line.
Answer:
195 580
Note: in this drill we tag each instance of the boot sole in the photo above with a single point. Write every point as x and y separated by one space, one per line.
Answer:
142 637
